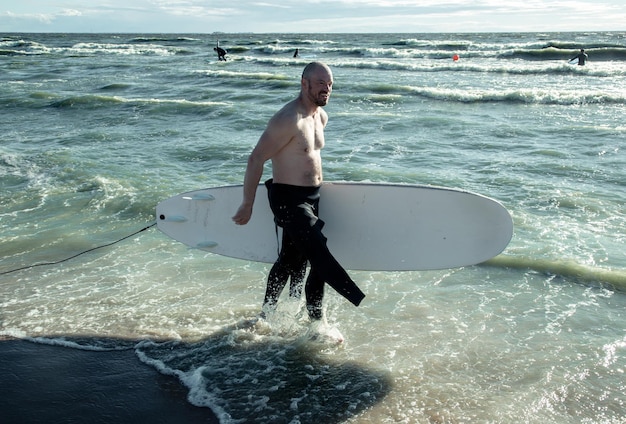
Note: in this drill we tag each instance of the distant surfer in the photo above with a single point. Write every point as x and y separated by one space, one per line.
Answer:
296 53
293 140
582 57
221 53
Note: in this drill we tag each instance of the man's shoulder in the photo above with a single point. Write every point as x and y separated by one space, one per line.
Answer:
323 115
287 114
292 114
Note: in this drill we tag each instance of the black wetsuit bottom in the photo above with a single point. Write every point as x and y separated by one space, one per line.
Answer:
290 266
296 210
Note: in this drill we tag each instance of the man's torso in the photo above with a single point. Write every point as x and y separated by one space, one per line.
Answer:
299 162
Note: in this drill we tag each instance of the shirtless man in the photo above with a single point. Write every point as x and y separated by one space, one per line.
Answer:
582 57
293 141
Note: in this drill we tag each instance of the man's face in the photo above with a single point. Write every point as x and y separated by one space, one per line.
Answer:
320 85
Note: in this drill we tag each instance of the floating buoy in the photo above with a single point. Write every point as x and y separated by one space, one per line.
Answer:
455 57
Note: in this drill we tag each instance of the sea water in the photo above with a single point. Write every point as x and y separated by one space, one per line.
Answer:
96 129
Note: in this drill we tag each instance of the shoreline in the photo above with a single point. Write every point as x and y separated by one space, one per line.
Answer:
44 384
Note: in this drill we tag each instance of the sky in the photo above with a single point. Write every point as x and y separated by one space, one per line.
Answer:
311 16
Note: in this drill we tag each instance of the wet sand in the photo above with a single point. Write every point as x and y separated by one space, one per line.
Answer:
50 384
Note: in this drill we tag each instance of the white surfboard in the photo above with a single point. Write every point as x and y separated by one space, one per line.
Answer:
376 227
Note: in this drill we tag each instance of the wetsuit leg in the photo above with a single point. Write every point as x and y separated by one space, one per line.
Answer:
291 264
296 275
313 243
295 209
314 291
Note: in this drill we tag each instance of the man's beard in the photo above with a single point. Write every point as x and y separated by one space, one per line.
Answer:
321 99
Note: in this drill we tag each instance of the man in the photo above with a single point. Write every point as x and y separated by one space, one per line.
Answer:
221 53
582 57
293 141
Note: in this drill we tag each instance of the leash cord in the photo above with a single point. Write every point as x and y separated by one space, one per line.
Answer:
78 254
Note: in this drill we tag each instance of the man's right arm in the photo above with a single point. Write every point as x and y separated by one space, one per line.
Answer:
254 171
274 138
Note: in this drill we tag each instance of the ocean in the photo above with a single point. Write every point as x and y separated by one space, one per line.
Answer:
96 129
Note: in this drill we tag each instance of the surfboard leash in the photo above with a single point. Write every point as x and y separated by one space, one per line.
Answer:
81 253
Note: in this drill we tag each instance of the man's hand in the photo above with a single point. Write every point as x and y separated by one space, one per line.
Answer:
243 214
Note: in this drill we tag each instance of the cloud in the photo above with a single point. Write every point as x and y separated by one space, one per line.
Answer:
193 11
70 12
312 15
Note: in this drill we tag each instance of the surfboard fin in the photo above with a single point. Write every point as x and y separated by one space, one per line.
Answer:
173 218
200 196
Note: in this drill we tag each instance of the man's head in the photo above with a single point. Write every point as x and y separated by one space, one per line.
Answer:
317 83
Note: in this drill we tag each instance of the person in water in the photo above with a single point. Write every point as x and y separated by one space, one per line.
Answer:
582 57
293 140
221 53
